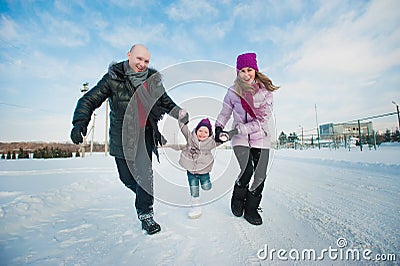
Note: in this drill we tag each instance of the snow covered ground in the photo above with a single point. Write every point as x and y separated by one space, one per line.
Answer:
76 212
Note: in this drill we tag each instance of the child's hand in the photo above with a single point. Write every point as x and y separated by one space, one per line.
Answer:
183 116
224 136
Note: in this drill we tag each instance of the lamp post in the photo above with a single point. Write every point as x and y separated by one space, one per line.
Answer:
83 144
316 121
397 109
302 138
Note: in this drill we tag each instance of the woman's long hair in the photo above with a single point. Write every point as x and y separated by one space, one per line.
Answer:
242 86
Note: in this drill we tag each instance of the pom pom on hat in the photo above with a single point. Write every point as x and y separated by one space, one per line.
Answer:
246 60
204 123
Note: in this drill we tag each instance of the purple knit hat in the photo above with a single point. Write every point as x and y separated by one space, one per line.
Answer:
246 60
206 123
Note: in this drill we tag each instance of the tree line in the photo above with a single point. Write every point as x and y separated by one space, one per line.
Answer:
41 153
47 150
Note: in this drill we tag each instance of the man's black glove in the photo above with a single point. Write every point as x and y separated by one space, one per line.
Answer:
77 132
218 131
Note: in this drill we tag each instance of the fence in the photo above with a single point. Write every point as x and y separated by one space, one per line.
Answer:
350 134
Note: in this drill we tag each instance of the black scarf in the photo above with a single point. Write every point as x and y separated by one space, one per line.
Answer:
153 111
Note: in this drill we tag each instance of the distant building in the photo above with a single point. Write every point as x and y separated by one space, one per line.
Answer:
328 131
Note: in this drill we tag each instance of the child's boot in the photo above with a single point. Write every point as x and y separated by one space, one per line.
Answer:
195 209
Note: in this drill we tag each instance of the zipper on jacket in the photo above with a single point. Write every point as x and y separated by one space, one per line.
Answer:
248 135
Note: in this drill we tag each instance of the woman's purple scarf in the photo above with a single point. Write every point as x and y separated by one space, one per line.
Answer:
247 102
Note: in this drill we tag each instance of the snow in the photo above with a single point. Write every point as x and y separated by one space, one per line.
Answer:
76 211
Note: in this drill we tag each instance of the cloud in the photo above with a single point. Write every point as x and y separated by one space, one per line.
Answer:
8 29
342 58
274 12
355 43
213 32
124 36
64 33
357 46
127 3
186 10
48 29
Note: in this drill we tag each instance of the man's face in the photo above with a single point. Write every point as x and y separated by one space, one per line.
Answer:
139 58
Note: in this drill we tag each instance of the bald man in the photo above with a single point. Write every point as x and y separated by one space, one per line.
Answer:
138 101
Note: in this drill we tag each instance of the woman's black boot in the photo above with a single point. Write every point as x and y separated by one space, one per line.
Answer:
251 208
237 201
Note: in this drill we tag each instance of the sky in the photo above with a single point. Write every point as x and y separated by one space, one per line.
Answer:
334 61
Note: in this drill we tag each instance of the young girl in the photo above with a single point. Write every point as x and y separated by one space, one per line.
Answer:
250 100
197 158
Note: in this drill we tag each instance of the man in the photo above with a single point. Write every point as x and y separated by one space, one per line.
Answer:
137 102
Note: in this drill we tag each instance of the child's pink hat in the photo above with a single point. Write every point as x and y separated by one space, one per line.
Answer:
246 60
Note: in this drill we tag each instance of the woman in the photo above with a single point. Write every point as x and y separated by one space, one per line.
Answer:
250 101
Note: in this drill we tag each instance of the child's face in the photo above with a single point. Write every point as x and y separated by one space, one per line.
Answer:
247 74
203 133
